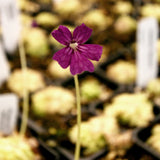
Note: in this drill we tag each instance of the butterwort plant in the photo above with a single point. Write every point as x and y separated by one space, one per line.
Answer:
77 56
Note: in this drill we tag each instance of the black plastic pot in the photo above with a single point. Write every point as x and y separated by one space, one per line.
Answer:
61 150
67 155
48 153
140 135
45 151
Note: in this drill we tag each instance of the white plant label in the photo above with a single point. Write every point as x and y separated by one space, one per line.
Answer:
8 113
10 22
4 66
147 58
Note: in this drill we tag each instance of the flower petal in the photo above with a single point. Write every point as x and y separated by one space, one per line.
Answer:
63 56
79 63
62 35
91 51
81 33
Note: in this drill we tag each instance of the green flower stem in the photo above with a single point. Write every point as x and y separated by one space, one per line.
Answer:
25 104
77 150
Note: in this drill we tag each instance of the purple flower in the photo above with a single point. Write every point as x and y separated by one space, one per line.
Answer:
76 54
34 24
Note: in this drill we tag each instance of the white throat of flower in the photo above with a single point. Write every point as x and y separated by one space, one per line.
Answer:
73 45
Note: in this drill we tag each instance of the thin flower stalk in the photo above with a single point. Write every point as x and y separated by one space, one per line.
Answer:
25 105
77 149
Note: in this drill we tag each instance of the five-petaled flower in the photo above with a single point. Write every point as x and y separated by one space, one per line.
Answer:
75 53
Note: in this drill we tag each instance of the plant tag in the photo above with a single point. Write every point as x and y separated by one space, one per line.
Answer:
147 58
4 66
8 113
10 22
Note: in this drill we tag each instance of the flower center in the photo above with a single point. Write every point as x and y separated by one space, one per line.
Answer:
73 45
